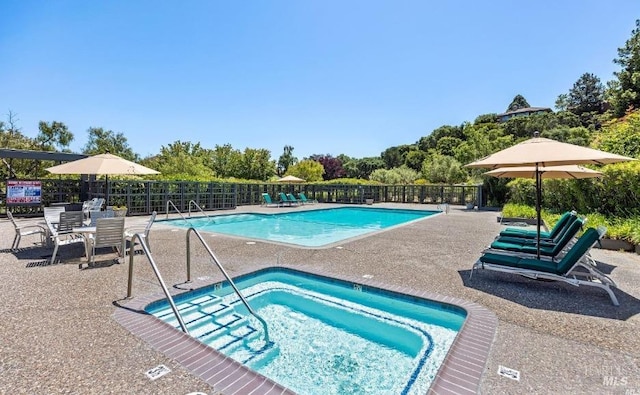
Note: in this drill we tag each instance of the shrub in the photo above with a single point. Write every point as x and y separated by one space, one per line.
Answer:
512 210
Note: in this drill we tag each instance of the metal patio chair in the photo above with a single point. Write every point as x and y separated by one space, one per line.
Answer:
109 233
63 234
129 232
26 229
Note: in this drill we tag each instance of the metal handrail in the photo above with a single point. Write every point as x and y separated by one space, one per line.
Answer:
169 202
199 208
140 236
224 272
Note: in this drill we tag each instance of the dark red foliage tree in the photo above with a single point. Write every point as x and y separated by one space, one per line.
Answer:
332 166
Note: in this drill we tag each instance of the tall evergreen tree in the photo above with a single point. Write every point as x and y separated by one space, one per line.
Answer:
624 92
587 95
518 102
286 159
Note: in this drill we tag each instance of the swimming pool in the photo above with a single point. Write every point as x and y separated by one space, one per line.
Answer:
329 336
309 228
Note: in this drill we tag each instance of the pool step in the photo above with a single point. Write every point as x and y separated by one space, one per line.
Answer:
217 324
257 358
193 315
229 341
221 325
185 307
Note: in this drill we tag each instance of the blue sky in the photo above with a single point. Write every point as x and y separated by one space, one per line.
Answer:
326 77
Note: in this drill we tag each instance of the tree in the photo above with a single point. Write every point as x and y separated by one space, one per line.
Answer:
286 159
414 159
587 95
621 136
53 136
562 102
102 141
429 142
182 161
443 169
350 166
256 164
576 136
225 161
309 170
624 93
395 156
486 118
518 102
447 145
398 175
366 166
332 166
11 137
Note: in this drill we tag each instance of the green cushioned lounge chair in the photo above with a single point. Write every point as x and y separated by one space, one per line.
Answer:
304 200
266 201
532 234
293 199
570 269
284 199
549 248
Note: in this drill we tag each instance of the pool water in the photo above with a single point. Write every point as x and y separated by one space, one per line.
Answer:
326 335
310 228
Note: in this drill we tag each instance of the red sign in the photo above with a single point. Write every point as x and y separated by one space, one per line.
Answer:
21 192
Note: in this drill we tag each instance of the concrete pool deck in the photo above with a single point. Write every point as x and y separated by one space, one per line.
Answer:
60 336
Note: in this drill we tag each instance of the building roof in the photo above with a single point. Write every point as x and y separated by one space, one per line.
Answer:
523 110
39 155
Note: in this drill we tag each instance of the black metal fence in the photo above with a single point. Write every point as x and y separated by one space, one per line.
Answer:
144 197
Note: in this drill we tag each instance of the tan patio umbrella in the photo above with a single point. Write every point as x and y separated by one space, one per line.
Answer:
568 171
541 152
102 164
290 179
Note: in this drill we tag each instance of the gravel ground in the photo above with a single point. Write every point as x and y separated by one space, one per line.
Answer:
58 334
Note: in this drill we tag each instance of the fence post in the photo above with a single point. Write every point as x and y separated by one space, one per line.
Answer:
182 196
129 196
147 187
235 195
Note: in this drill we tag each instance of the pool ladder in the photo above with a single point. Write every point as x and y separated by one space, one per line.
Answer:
146 251
224 272
192 203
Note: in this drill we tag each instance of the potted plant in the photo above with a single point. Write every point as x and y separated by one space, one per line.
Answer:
119 211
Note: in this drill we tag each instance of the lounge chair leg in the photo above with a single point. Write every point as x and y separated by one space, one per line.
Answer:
614 300
475 266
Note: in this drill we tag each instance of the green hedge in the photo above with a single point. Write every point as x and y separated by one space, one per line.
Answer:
627 229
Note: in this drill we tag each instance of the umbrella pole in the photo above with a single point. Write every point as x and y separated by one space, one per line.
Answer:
538 199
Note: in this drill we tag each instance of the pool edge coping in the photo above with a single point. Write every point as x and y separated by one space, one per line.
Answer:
461 371
327 246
